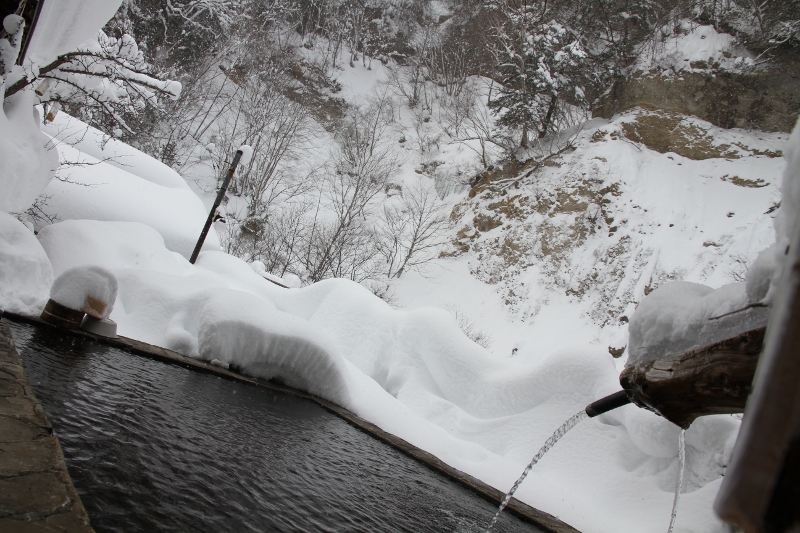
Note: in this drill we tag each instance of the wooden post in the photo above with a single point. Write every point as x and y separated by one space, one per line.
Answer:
760 490
29 10
217 202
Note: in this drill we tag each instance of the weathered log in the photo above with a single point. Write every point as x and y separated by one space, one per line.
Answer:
714 379
59 315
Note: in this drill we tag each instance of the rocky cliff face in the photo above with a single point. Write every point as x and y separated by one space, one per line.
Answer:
766 99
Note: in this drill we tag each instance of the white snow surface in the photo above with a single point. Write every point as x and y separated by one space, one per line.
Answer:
92 142
74 286
247 154
412 371
25 271
64 24
104 179
28 162
696 44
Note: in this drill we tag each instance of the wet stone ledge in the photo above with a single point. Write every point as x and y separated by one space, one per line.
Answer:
36 493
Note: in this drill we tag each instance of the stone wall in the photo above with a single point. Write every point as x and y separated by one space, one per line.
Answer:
36 493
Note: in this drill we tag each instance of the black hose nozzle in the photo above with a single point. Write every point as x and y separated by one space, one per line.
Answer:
609 403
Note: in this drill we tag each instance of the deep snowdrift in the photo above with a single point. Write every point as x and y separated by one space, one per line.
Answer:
25 271
105 179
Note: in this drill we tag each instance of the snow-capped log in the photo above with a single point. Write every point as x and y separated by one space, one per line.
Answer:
711 380
91 289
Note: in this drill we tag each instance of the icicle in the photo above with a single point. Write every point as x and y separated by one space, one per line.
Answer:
681 467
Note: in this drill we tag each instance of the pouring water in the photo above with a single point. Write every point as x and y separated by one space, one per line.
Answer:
560 432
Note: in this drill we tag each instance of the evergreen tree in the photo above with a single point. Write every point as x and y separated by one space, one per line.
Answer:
542 67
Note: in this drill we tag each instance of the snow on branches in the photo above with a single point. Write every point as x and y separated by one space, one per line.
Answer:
104 73
542 67
195 12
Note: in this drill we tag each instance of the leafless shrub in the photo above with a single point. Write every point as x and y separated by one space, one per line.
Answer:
738 271
469 328
413 230
341 241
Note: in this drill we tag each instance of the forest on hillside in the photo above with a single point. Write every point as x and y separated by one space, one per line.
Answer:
504 77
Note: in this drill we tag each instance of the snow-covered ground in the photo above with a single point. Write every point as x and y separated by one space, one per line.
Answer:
549 265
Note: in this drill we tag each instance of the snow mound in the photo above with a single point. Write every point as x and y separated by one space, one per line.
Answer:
76 287
245 330
25 271
97 190
93 142
28 164
112 245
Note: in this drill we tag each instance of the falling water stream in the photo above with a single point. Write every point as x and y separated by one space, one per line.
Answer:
560 432
679 484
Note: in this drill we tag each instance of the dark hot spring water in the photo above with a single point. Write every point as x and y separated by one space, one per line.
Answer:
154 447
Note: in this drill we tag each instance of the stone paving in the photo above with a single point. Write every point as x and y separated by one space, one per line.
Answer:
36 493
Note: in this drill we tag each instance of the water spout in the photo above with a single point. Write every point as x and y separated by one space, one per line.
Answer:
560 432
610 402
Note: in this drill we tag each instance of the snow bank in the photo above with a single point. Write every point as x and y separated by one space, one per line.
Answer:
25 271
98 190
28 164
75 288
112 245
93 142
412 373
245 330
